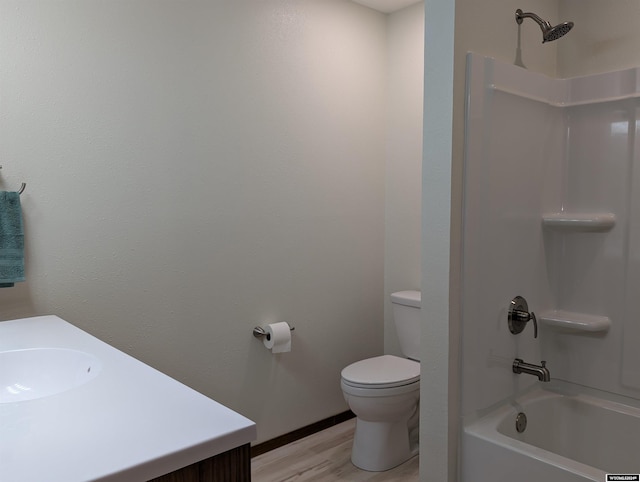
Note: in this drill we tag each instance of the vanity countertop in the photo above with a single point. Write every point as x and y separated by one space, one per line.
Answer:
130 422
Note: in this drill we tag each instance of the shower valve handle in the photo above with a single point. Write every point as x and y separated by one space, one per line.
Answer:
524 317
519 316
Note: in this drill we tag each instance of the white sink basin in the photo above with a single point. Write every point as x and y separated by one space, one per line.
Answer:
41 372
73 409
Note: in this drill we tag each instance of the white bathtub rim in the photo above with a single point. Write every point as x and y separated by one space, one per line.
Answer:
537 392
483 430
514 405
486 427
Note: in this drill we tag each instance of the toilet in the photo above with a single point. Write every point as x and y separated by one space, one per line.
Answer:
384 394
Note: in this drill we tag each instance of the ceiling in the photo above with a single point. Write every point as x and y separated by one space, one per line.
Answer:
386 6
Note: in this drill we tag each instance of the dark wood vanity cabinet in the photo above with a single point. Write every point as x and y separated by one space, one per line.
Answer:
231 466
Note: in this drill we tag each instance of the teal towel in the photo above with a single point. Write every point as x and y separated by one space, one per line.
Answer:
11 240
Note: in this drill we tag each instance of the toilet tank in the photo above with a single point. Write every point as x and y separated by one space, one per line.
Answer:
406 316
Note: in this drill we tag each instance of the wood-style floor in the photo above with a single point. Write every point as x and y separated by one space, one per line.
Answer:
323 457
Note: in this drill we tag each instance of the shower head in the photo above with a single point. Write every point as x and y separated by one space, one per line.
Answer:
549 33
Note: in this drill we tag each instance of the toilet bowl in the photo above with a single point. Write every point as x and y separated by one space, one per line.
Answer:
384 394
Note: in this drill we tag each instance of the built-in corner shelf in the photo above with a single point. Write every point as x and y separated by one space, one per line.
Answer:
570 322
579 222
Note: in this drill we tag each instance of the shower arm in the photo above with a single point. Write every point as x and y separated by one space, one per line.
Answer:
520 16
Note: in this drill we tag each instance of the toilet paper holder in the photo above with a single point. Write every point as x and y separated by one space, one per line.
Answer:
259 332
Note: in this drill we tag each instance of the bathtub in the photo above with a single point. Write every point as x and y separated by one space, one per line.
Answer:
568 438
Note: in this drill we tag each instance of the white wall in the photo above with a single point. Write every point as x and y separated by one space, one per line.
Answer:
405 37
195 169
437 404
604 38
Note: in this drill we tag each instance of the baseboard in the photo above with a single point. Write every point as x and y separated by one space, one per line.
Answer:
303 432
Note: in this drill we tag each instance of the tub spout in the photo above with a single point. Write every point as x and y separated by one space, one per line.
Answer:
540 371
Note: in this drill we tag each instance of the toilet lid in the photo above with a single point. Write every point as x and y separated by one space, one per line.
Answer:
382 372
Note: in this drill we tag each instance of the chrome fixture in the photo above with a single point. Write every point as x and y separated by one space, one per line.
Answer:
519 316
260 332
22 186
549 33
541 371
521 422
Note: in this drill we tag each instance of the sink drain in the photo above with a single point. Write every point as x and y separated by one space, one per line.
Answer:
521 422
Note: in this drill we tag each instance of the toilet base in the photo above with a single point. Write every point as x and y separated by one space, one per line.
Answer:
380 446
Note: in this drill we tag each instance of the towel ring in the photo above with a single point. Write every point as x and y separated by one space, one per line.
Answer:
23 186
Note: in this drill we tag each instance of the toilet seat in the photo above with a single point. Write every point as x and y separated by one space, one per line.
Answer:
381 372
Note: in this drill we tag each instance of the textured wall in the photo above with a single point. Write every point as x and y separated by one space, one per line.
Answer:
405 33
605 37
198 168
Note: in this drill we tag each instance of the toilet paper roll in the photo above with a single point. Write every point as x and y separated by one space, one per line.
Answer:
278 338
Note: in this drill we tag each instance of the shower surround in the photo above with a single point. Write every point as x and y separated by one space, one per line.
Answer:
551 213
